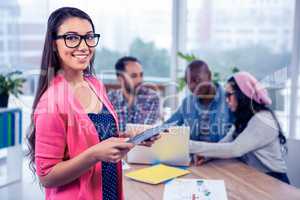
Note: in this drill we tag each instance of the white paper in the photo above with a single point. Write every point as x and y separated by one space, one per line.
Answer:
195 189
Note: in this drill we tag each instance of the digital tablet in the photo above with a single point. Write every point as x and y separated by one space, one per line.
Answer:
147 134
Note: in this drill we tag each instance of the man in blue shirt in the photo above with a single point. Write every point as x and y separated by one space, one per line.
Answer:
205 110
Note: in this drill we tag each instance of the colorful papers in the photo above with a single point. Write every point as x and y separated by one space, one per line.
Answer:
195 189
156 174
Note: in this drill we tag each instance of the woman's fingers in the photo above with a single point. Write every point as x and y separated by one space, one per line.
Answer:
198 160
147 144
156 137
124 146
123 153
150 141
112 149
116 157
119 151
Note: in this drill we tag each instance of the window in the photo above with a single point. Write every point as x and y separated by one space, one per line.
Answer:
127 27
137 28
132 27
255 43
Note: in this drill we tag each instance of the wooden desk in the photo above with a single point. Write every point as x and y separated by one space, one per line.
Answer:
241 181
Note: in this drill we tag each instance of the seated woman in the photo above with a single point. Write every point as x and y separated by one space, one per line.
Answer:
257 137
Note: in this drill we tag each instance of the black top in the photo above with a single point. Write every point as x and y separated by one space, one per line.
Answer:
106 127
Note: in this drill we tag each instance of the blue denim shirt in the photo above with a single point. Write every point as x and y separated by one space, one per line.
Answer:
218 114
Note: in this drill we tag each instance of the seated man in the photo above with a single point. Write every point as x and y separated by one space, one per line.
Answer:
204 110
134 103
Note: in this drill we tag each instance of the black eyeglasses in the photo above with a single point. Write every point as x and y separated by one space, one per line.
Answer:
228 94
74 40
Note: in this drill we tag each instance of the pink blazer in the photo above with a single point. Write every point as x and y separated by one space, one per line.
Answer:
63 131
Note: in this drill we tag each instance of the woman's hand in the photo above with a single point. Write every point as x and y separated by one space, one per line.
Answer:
198 160
132 133
111 150
150 141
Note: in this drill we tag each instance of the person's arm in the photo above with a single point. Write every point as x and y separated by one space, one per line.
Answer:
50 145
177 116
64 172
229 135
200 159
261 130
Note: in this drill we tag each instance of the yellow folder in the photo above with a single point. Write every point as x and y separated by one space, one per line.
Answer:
156 174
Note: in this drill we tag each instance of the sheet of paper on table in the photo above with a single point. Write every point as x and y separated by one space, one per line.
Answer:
195 189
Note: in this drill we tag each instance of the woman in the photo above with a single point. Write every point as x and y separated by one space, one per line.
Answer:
74 143
257 138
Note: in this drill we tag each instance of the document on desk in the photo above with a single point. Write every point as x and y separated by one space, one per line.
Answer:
156 174
195 189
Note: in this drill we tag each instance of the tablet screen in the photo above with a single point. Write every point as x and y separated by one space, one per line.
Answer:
145 135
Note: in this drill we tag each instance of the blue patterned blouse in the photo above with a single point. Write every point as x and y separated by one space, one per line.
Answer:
106 128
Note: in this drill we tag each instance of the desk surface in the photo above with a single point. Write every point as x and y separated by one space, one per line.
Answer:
241 181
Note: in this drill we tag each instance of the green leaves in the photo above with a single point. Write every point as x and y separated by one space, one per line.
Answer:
235 70
180 84
11 83
188 57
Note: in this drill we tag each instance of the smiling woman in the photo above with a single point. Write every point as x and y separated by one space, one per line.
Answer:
256 137
73 157
75 54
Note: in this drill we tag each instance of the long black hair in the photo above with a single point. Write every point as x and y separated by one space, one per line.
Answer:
246 108
50 64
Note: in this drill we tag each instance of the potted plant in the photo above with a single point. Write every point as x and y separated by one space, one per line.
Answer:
10 83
